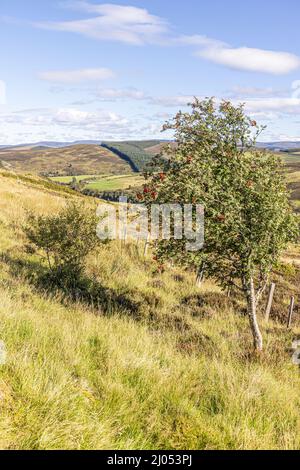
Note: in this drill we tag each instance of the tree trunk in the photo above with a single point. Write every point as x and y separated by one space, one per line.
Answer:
200 275
251 304
146 246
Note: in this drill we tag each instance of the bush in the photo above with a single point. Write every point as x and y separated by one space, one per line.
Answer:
64 240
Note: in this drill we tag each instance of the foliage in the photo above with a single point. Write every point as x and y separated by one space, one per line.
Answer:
113 196
248 219
133 152
64 238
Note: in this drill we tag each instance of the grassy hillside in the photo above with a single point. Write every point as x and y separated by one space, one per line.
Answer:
292 160
152 362
72 160
158 148
79 159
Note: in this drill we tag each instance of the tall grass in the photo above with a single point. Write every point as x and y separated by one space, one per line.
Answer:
174 372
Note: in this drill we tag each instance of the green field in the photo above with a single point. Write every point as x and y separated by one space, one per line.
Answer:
115 182
103 182
69 179
291 157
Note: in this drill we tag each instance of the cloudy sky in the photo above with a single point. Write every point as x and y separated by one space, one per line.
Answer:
91 70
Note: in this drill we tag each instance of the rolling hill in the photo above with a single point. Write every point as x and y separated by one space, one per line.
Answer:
292 160
71 160
81 158
52 144
86 160
281 145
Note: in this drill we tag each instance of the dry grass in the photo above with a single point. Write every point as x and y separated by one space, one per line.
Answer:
168 367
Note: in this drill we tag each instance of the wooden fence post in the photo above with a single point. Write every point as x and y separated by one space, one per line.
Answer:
200 275
146 246
291 308
269 303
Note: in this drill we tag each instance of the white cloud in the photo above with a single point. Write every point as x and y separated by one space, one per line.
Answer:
69 117
242 92
69 124
242 58
113 94
91 120
199 40
250 59
172 101
275 105
268 103
132 94
77 76
120 23
137 26
270 106
288 138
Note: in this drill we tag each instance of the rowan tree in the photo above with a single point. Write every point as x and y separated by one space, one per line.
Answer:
248 218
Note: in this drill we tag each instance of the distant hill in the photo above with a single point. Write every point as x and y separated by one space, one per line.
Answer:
279 145
58 144
82 157
70 160
158 148
134 152
92 157
52 144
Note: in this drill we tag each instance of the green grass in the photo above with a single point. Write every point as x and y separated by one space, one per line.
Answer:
290 157
103 182
115 182
79 381
160 364
69 179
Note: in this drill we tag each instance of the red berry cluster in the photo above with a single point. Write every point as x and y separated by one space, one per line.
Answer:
221 217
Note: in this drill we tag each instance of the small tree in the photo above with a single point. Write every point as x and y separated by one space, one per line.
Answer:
248 219
64 239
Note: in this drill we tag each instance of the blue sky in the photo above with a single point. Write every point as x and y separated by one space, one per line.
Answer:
117 70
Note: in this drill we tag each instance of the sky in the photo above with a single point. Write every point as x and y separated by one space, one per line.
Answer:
77 70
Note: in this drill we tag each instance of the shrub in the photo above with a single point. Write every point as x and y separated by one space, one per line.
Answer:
64 240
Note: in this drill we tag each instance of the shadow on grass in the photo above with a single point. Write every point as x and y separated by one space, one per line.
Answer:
138 305
73 288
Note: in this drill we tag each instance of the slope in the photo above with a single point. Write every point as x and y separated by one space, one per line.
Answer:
158 363
72 160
